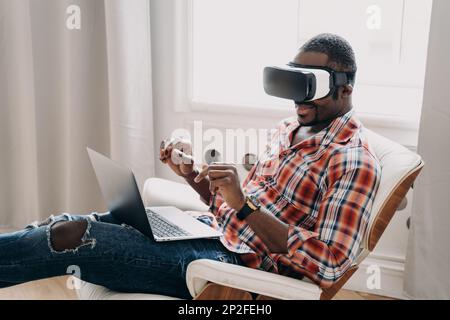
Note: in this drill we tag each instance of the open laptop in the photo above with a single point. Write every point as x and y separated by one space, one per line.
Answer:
121 193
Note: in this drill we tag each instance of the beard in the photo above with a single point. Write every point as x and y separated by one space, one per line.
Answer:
312 117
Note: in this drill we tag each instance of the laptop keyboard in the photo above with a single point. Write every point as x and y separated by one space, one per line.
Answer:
162 228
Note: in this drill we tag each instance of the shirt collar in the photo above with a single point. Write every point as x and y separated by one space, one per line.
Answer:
340 130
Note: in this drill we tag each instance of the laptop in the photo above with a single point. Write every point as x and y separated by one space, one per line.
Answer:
121 193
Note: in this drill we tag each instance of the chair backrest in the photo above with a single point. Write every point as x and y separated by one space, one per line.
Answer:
399 168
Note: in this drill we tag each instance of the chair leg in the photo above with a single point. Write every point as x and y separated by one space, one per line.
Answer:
329 293
214 291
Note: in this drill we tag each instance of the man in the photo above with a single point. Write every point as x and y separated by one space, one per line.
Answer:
304 217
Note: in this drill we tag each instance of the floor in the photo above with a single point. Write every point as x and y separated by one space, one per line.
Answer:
57 289
49 289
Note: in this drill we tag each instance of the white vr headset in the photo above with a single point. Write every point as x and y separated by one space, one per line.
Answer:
304 83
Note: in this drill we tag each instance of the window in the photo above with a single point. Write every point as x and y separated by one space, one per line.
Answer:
233 40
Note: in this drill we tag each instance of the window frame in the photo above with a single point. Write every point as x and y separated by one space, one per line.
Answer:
183 82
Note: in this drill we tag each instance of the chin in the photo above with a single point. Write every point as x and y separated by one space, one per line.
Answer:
306 122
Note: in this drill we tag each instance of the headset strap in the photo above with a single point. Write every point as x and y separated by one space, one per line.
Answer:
339 78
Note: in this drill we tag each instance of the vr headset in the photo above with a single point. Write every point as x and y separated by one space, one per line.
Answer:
304 83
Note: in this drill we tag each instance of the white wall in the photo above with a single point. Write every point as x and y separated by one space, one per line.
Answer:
390 253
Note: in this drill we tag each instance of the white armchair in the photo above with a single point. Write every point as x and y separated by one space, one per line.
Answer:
207 279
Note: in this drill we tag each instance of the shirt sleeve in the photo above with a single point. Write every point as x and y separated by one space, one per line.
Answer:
215 202
325 253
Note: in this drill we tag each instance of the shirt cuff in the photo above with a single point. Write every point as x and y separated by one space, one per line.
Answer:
296 237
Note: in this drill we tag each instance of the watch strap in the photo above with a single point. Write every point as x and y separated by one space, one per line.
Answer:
245 211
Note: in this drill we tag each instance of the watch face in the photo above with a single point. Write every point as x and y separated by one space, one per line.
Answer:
254 201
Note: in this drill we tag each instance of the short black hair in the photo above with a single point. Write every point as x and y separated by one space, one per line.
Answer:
336 48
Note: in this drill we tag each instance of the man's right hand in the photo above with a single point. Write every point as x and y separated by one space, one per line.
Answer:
177 153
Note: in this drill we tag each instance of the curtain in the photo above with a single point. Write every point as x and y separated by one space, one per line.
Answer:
428 254
64 89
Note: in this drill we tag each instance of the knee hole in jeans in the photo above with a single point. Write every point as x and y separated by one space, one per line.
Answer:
69 236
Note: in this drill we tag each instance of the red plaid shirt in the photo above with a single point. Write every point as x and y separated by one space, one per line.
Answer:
323 188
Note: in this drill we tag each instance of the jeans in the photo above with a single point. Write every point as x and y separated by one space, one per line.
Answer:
112 255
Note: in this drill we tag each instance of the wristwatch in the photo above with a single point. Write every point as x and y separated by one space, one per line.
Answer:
251 205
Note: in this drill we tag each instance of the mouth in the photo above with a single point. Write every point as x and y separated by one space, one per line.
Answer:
304 109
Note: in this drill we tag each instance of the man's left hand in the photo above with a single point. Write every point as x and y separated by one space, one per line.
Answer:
224 179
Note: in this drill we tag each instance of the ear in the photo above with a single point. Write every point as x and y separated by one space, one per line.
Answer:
347 91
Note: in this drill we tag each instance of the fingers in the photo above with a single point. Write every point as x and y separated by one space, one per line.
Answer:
202 174
162 156
162 146
216 171
218 183
181 144
167 146
218 174
162 151
222 166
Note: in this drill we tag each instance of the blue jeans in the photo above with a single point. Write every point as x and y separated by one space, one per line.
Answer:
112 255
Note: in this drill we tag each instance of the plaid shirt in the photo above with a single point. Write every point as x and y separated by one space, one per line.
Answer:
322 188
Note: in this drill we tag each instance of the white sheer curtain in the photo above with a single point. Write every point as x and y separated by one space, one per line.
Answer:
428 256
62 90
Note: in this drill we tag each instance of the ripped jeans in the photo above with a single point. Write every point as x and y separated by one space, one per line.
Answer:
110 254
